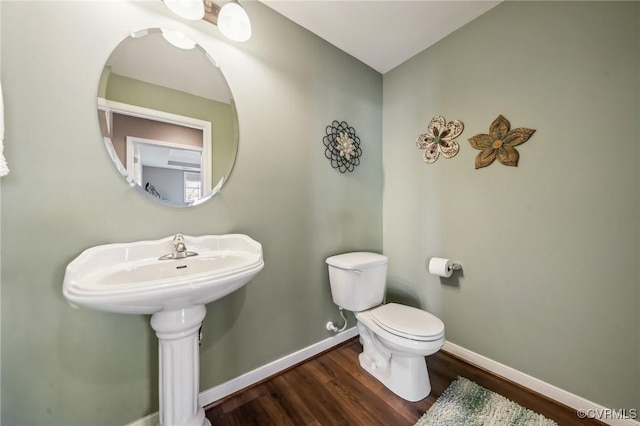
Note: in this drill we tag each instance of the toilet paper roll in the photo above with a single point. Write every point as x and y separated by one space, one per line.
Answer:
441 267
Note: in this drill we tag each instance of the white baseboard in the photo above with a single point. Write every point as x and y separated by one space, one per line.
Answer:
261 373
225 389
150 420
578 403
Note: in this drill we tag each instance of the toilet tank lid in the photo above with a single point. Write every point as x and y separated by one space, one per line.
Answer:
357 260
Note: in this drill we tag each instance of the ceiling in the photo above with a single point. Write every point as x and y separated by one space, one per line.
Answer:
381 33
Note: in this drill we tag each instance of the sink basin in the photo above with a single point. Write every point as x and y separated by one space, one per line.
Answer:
129 278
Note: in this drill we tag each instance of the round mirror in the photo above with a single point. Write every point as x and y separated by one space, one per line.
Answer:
167 117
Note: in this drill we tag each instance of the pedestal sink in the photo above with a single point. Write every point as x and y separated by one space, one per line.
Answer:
131 278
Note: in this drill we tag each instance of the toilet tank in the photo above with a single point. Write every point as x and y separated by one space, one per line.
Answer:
358 279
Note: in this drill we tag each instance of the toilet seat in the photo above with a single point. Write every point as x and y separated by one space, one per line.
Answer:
408 322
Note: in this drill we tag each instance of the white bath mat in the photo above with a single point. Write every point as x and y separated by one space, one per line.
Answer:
464 403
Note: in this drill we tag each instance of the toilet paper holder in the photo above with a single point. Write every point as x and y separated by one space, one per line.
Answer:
443 267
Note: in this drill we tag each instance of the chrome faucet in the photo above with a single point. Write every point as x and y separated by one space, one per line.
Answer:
179 249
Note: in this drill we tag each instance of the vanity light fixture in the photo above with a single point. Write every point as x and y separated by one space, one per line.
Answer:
231 19
187 9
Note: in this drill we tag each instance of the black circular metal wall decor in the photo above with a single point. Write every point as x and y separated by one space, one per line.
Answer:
342 146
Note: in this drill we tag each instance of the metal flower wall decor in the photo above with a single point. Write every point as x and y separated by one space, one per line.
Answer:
500 143
439 139
342 146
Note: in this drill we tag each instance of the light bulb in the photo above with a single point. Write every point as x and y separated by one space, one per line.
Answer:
178 39
234 22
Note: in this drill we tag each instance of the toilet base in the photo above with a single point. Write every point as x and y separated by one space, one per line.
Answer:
407 377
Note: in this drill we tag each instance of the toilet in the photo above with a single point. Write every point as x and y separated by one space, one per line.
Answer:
395 338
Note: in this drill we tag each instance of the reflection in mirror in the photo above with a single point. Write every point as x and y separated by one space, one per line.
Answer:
167 118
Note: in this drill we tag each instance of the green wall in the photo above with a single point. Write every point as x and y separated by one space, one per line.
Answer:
550 249
64 367
0 240
221 115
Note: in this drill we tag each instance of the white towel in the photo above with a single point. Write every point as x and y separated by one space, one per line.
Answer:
4 169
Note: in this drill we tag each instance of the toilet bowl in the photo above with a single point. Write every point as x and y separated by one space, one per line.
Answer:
395 357
395 338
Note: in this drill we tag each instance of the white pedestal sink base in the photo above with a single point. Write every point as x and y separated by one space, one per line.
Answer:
179 366
147 277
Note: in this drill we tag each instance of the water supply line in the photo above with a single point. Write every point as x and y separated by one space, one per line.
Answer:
331 327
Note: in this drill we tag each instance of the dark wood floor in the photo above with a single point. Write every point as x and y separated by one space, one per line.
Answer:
331 389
